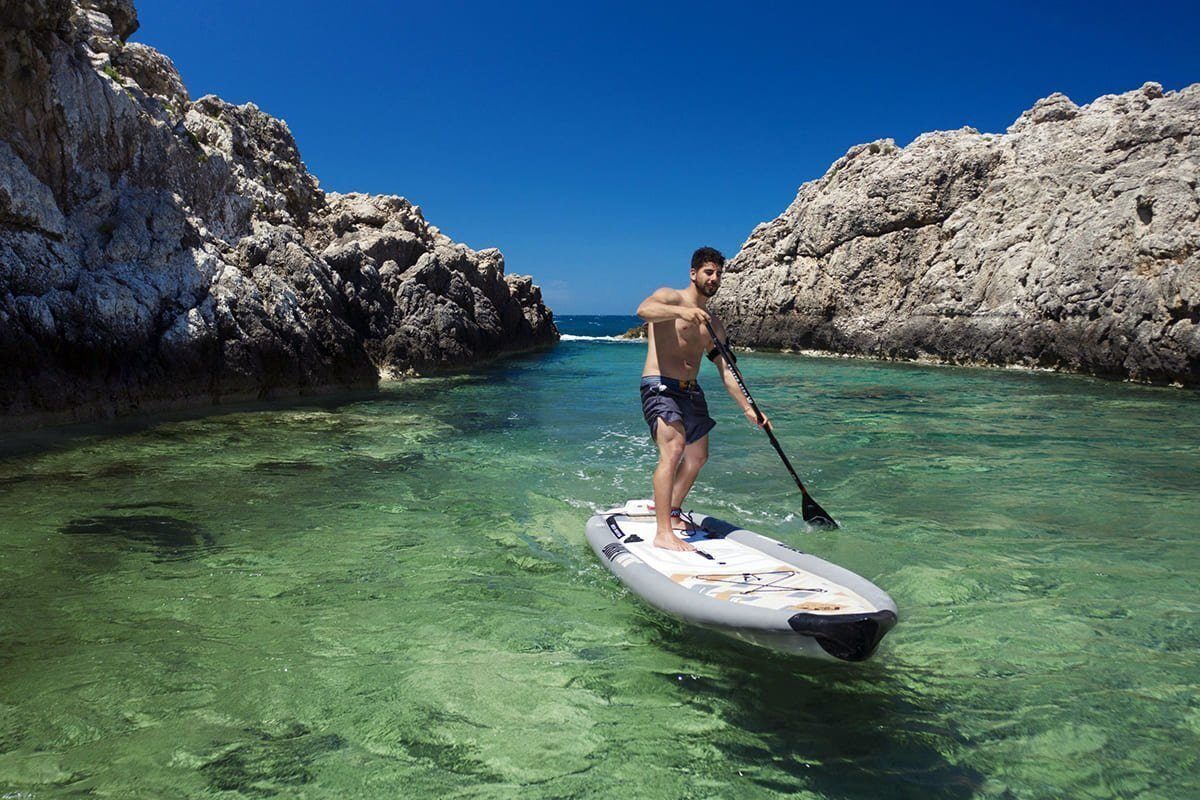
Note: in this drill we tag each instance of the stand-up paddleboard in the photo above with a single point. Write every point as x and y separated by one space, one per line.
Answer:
745 585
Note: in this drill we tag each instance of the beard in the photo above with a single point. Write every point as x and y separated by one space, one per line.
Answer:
704 290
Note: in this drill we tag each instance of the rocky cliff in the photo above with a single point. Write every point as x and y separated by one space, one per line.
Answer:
157 250
1068 242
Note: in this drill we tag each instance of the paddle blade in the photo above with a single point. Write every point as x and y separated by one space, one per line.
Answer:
815 515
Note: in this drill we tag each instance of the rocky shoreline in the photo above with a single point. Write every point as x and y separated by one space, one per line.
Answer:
159 251
1071 242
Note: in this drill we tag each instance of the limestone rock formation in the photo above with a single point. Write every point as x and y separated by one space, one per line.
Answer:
157 250
1070 242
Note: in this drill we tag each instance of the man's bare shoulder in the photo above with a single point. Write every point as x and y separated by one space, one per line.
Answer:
662 305
665 294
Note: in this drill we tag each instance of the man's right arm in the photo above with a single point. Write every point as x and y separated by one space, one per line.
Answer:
667 304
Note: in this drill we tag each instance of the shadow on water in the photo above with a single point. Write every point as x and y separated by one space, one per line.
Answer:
117 469
880 394
469 423
151 504
846 731
286 467
43 478
167 538
383 465
269 763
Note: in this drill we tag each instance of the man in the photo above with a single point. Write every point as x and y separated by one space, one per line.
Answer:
672 401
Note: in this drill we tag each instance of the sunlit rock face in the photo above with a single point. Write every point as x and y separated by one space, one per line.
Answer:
156 249
1069 242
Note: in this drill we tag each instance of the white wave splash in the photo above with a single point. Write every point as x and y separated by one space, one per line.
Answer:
571 337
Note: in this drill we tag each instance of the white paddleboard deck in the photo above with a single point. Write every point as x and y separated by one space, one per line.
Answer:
738 573
745 585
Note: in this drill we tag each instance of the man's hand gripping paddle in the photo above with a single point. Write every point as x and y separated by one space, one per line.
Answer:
813 513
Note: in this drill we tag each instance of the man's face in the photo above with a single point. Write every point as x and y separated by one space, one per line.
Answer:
707 279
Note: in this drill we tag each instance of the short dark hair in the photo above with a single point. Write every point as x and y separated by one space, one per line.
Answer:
707 255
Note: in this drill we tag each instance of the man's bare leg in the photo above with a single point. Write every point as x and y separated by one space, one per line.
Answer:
669 437
694 456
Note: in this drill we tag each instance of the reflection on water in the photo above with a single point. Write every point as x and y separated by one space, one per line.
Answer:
389 594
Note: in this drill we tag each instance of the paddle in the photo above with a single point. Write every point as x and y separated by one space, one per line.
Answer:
813 513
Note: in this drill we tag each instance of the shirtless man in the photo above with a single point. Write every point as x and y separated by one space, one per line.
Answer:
672 400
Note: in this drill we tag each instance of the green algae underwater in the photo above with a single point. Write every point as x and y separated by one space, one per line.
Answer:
389 594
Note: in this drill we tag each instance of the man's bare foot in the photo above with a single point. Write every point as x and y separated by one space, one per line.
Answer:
669 541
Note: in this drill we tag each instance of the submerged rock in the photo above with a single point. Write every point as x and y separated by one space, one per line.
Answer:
636 332
1069 242
158 250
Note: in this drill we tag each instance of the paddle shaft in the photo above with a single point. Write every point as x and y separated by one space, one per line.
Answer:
811 510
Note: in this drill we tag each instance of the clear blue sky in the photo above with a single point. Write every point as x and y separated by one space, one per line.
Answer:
598 144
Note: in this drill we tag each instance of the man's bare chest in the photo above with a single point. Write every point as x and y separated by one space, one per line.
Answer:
677 336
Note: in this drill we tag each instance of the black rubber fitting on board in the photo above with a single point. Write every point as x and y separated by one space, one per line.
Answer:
849 637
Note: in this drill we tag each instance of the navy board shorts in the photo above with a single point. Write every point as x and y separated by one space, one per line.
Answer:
676 401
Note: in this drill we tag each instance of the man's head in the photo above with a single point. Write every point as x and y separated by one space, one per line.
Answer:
707 265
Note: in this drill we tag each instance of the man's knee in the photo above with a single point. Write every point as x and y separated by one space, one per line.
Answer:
670 452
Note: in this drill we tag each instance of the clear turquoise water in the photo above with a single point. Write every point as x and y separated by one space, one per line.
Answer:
389 594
